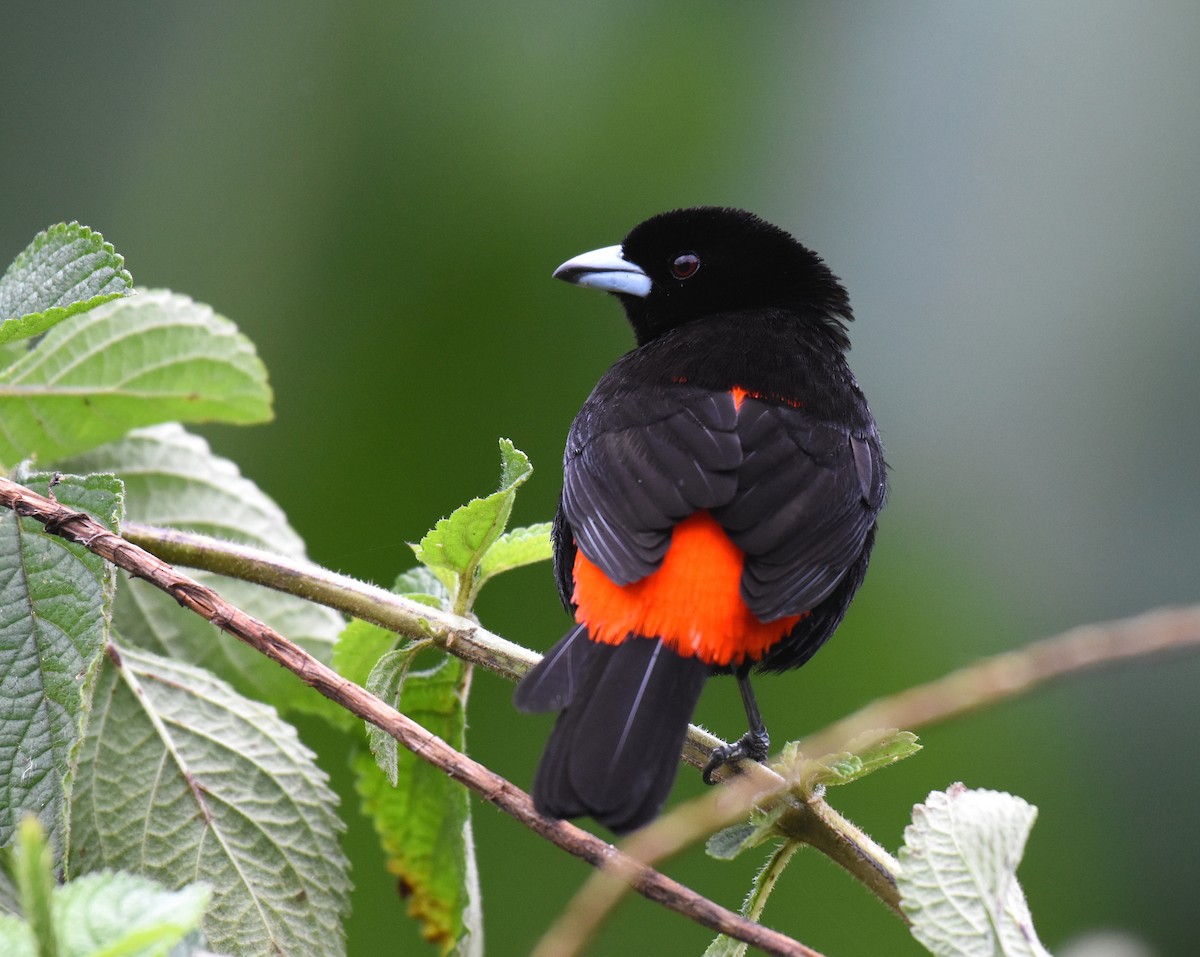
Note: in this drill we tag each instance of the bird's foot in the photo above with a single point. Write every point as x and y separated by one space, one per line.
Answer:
752 745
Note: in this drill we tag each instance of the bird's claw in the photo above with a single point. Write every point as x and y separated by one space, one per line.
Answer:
753 745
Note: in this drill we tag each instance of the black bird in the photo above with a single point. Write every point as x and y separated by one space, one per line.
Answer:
721 486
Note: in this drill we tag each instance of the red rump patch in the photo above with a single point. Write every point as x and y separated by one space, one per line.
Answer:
692 602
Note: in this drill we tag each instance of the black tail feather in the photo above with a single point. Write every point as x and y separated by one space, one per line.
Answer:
553 682
615 749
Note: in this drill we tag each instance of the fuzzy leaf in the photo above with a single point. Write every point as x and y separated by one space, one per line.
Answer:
67 269
521 546
187 780
106 914
118 913
422 584
386 681
866 753
172 478
156 357
424 823
458 543
958 884
728 843
55 602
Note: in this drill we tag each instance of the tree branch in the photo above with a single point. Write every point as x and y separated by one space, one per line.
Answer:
1014 673
460 636
78 527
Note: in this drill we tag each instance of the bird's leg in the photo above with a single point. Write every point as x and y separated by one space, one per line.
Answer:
754 744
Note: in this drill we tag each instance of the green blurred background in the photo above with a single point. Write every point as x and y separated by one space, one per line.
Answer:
377 193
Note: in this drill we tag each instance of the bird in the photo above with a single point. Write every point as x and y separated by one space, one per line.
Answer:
721 486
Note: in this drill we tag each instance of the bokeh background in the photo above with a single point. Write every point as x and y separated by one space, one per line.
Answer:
377 193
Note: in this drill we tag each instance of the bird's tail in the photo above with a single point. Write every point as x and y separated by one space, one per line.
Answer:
615 749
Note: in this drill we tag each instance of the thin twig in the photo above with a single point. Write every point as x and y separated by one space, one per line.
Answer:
1014 673
810 821
80 528
984 682
461 636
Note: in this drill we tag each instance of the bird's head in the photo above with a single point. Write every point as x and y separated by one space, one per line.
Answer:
691 263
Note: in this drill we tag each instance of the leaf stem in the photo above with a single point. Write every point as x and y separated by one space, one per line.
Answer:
767 878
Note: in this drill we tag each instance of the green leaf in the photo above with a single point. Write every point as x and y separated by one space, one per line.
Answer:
67 269
122 914
521 546
186 779
458 543
958 883
32 868
172 478
156 357
360 645
727 844
424 822
423 585
55 602
101 914
16 938
865 754
386 681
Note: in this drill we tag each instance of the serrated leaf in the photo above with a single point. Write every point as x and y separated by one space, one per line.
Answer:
958 882
865 754
457 544
118 913
67 269
106 914
727 844
386 682
55 602
424 822
173 479
520 546
189 781
156 357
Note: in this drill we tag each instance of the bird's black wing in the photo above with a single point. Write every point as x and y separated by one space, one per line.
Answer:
808 493
638 460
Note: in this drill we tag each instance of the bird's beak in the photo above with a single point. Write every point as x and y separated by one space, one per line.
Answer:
605 269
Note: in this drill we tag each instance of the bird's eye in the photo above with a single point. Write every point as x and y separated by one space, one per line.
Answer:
684 265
